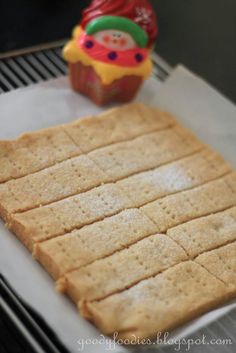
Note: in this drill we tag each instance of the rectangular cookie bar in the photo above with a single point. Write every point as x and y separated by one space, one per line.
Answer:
73 177
63 216
159 303
177 176
62 180
145 152
81 247
203 200
116 125
34 151
206 233
123 269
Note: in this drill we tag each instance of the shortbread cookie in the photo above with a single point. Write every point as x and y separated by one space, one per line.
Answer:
145 152
34 151
123 269
63 216
64 179
174 177
158 304
92 242
90 199
116 125
79 174
173 210
206 233
221 263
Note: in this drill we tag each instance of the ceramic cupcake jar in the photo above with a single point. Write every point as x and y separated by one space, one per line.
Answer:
109 54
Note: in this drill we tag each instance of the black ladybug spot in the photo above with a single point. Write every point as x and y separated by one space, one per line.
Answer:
139 57
112 55
89 44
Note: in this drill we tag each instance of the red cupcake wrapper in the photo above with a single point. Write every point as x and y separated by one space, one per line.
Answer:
86 81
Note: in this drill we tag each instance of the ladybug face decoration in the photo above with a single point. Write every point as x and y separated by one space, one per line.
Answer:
115 40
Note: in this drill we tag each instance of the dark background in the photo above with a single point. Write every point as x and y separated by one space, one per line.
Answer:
199 33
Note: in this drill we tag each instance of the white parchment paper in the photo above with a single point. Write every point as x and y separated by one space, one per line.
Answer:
211 116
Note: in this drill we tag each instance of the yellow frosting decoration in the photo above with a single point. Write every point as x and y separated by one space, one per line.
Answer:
107 72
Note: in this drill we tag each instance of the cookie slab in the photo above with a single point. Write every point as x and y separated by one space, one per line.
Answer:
116 125
62 180
124 268
34 151
79 174
159 303
177 176
145 152
61 217
89 199
81 247
203 200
